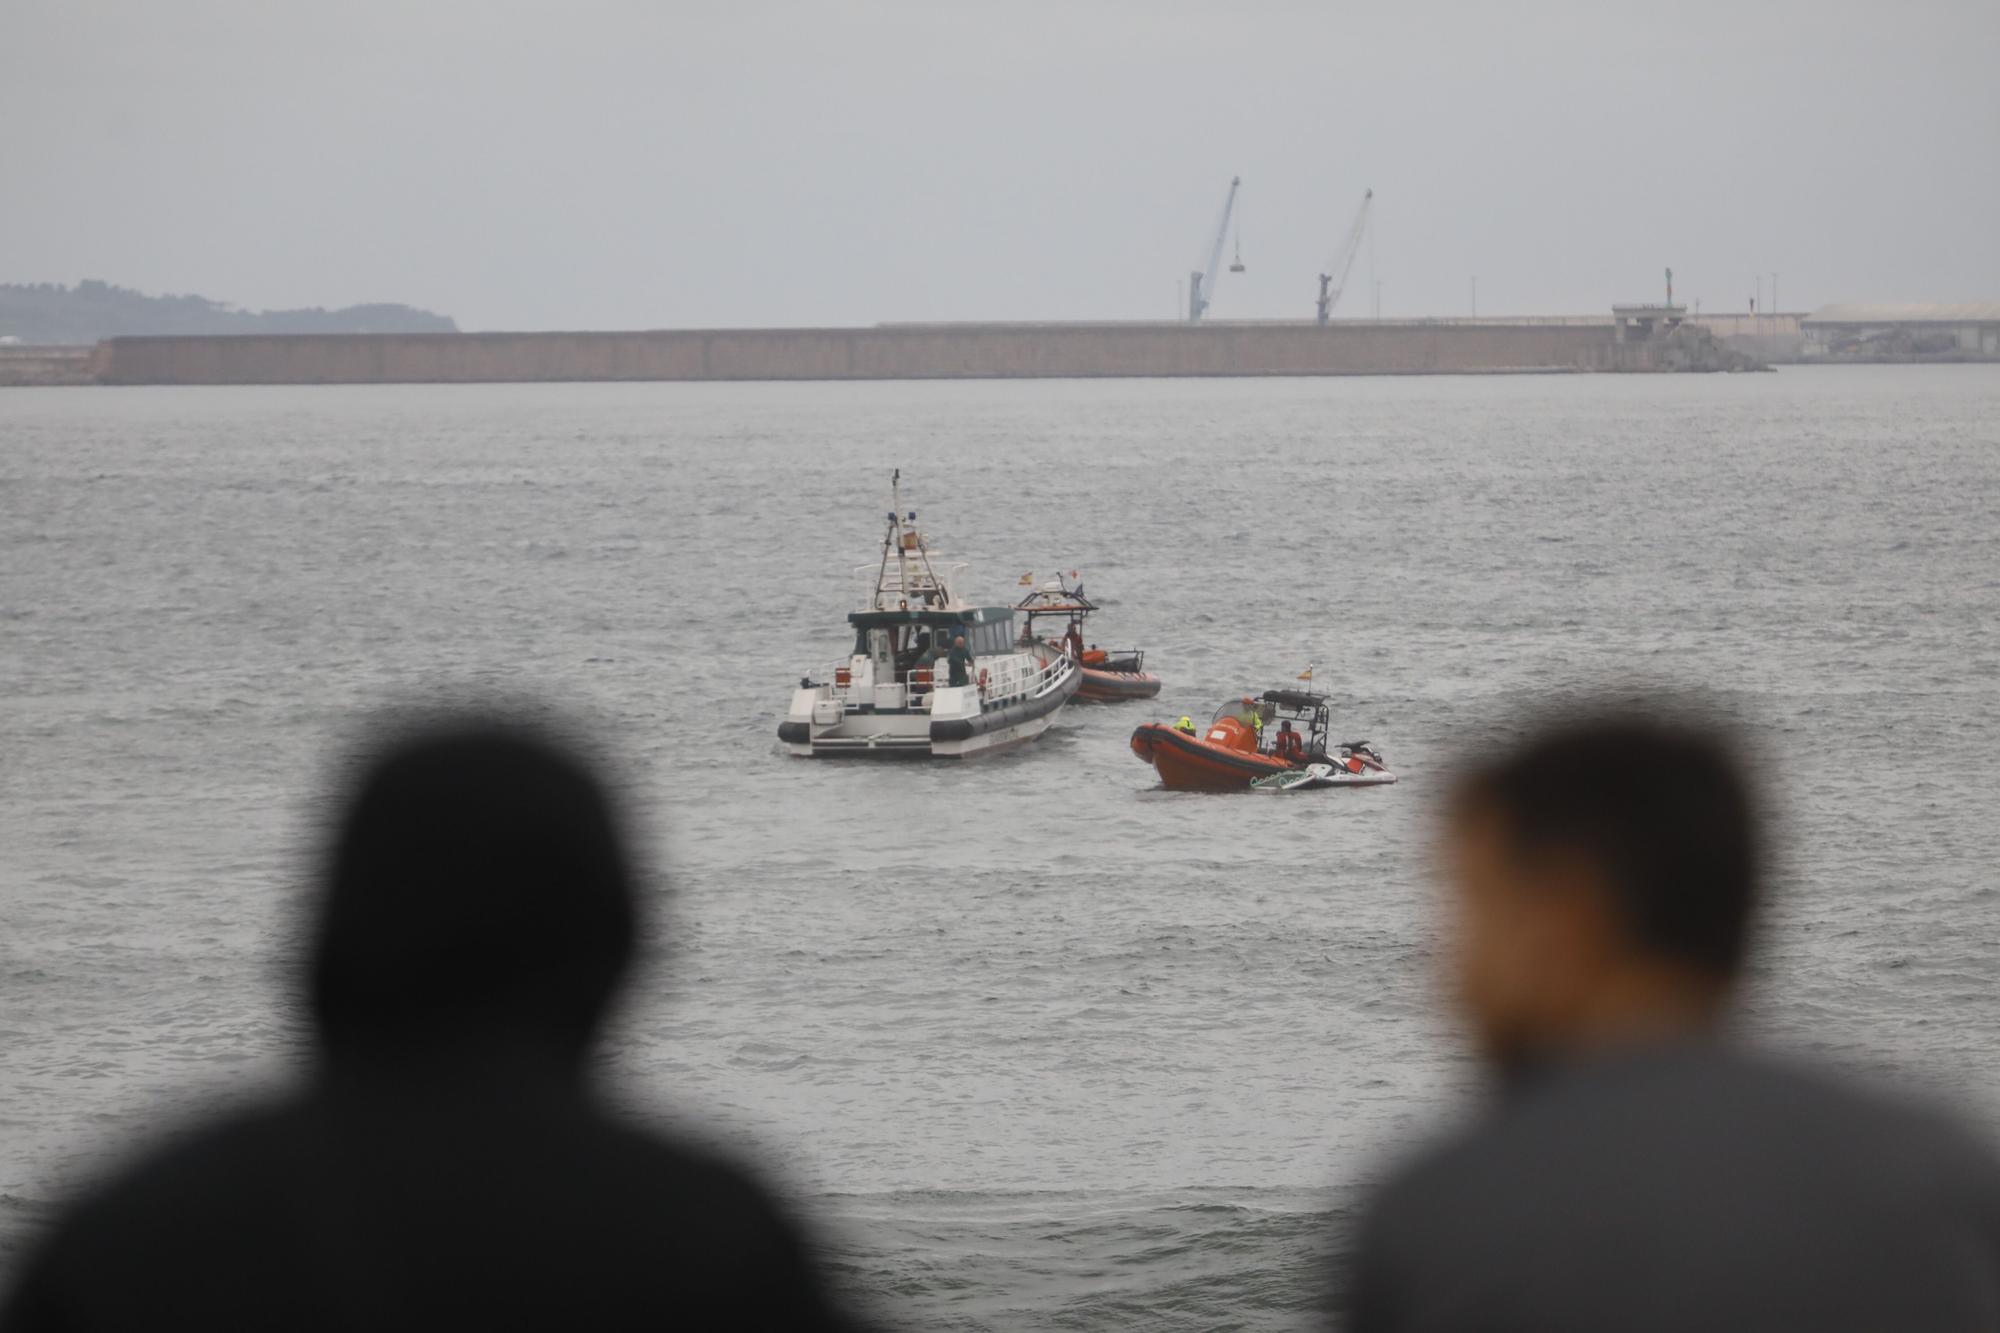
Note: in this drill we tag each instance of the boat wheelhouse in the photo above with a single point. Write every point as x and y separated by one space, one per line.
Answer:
894 694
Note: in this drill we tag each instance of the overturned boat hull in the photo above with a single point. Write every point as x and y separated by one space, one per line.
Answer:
1317 777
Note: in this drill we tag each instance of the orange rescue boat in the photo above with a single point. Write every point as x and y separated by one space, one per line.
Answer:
1246 739
1107 675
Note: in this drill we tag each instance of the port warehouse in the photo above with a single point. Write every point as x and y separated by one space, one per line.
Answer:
1838 330
917 351
1863 332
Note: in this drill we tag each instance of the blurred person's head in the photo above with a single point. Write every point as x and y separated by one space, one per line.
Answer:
1604 874
477 896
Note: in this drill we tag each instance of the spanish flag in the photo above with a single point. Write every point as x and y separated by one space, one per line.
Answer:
1027 580
1307 674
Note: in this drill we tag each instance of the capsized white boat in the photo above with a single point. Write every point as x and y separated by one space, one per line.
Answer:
892 697
1356 764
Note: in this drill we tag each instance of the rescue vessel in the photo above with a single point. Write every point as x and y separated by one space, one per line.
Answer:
893 696
1109 674
1282 731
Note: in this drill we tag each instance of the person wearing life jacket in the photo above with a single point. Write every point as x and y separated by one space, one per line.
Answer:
1186 724
1073 642
1290 746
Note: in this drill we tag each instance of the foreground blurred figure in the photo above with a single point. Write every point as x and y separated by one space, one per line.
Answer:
1636 1173
447 1166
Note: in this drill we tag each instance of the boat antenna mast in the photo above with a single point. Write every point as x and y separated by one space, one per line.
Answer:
904 540
889 541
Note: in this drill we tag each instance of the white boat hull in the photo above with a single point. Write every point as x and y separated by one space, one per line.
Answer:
955 723
1314 776
889 698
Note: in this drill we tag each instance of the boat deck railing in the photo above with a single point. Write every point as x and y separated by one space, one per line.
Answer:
1010 677
1007 678
925 586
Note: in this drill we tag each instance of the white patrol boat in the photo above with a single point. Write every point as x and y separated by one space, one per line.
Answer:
894 696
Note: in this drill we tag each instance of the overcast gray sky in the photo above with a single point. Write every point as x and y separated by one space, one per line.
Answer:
618 164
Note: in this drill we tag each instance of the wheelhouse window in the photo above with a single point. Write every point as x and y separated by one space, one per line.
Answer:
905 636
990 638
910 638
981 641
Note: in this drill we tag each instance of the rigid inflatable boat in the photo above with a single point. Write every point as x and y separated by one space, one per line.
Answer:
1249 739
1109 675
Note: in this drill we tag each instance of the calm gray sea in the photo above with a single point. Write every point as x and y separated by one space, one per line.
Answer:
1040 1046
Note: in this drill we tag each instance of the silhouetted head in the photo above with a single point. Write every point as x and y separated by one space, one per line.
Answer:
1605 873
958 642
477 894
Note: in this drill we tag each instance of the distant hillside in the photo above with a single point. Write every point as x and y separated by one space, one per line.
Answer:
50 313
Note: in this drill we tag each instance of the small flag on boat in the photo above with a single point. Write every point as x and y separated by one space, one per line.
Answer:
1307 674
1027 580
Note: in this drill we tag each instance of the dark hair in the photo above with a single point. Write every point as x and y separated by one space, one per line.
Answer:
1662 807
478 881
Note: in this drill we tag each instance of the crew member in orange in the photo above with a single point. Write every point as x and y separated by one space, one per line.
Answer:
1290 747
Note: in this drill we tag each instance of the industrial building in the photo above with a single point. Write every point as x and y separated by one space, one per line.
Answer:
1902 332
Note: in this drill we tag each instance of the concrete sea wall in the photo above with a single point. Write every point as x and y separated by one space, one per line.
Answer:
38 366
946 351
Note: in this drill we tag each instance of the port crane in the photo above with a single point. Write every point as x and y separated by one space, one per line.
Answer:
1201 283
1334 280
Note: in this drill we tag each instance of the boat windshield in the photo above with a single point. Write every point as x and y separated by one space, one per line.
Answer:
903 647
914 638
1247 711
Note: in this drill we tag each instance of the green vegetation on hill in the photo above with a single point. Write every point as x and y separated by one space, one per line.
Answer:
51 313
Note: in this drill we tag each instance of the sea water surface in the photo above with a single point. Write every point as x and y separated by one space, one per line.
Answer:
1036 1044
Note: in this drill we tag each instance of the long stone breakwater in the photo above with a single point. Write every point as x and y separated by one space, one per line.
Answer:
917 351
